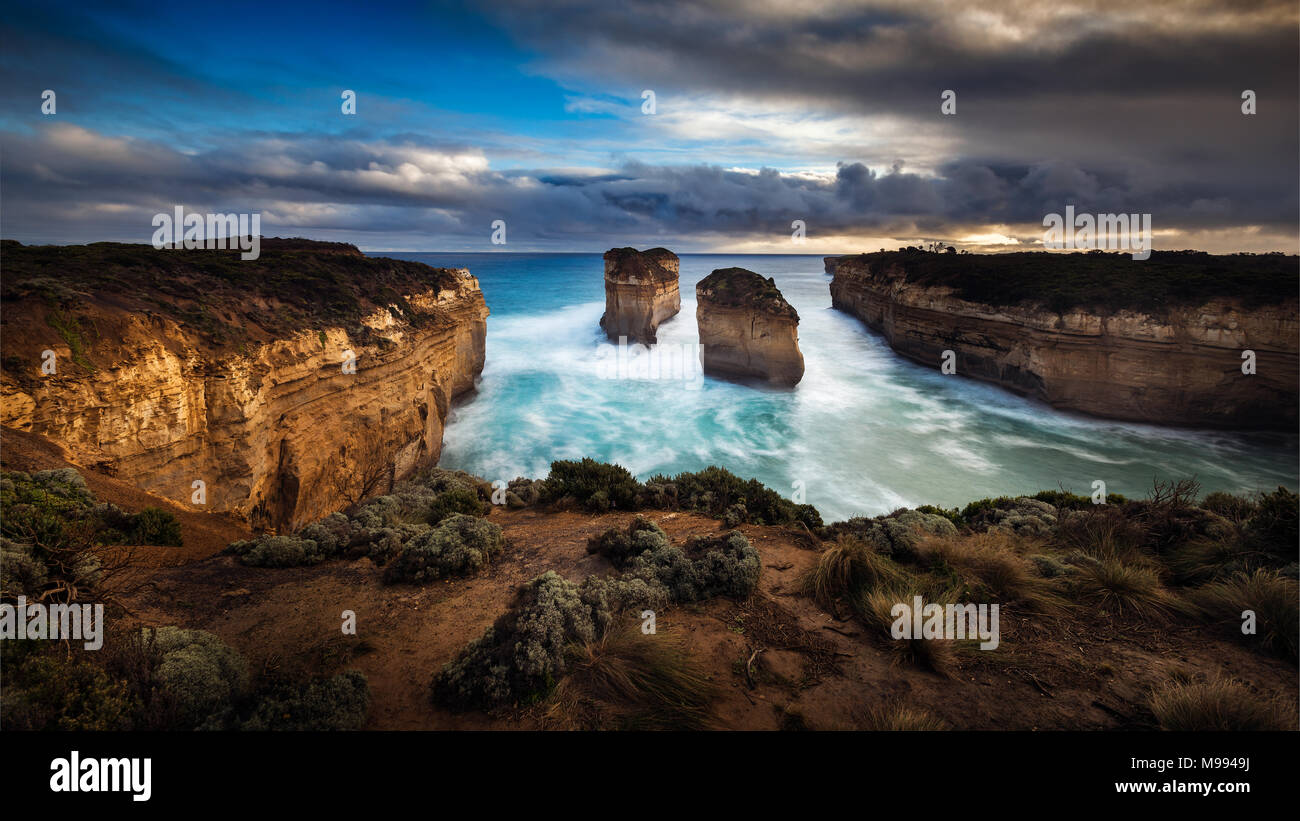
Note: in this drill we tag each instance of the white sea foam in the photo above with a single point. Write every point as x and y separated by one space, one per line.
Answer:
865 431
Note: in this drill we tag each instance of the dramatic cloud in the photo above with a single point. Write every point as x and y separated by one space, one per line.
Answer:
766 112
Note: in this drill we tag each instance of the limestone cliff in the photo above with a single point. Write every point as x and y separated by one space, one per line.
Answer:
173 367
747 329
1162 344
641 292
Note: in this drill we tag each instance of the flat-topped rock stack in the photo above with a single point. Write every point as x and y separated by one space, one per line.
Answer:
747 329
641 292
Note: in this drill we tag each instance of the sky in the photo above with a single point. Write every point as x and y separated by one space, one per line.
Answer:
765 112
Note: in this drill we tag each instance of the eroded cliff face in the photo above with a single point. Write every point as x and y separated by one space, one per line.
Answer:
280 430
1181 366
747 329
641 292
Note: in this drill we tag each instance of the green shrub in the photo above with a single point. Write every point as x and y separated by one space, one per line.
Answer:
1275 525
1047 566
338 703
619 546
47 692
276 551
725 565
521 492
1022 516
457 500
595 486
460 544
951 514
1064 500
21 573
153 526
714 490
204 675
895 535
521 656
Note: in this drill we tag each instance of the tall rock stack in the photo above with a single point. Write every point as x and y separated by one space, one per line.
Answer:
747 329
641 292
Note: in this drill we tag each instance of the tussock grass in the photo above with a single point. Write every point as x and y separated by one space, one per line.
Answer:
640 681
1103 532
1220 704
846 571
870 584
994 559
1205 559
900 718
1274 598
1124 589
935 655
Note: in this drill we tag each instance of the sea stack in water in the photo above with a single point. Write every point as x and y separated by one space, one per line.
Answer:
747 328
640 292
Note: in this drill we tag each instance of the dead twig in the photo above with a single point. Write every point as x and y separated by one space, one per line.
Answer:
749 668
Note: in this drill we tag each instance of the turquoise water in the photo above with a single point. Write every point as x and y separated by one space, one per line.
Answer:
865 431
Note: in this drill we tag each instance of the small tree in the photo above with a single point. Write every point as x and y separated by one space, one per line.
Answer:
364 471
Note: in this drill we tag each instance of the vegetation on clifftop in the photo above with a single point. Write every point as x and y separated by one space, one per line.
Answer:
742 288
294 284
1095 280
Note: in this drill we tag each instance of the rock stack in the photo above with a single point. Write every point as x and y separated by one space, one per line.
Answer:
747 329
640 292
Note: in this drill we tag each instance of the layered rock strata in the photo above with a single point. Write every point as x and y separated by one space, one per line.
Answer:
641 292
280 392
1178 365
747 329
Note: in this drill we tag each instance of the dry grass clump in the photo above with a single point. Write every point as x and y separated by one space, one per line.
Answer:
901 718
1103 532
631 680
1219 704
1274 598
994 558
852 573
1124 589
876 612
847 570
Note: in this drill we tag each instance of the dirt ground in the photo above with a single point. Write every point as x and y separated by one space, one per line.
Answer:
812 671
778 660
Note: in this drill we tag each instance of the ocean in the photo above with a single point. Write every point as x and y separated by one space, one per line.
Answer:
864 433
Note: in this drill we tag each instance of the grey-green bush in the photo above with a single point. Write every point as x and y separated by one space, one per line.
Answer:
205 676
338 703
460 544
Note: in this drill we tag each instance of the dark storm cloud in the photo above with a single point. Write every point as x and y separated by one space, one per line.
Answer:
432 189
1107 106
1133 100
